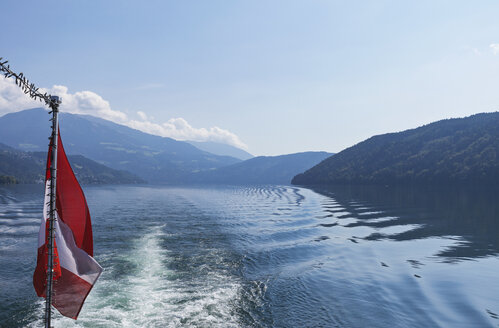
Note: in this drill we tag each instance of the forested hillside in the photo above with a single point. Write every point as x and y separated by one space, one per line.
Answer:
456 151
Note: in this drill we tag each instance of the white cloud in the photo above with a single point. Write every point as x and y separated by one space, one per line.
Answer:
12 99
142 115
495 48
86 102
180 129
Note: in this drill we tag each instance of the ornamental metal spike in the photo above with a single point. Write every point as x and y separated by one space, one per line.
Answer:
27 87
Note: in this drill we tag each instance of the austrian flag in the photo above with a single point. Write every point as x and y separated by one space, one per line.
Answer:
75 270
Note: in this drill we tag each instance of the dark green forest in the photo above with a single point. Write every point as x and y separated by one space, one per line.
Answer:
17 166
452 151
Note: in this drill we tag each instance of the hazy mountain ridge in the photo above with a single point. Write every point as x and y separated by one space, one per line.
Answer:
221 149
153 158
262 169
462 151
17 166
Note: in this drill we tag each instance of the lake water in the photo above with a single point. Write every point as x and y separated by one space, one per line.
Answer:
269 256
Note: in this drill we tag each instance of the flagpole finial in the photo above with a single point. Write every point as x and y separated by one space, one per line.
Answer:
55 101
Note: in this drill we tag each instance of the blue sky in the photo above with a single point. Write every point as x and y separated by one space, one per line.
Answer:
274 76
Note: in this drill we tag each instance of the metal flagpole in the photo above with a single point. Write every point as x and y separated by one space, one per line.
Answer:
54 105
53 102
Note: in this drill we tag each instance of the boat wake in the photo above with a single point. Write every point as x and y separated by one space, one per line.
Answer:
141 290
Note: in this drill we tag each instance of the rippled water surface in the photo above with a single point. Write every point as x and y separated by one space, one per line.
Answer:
269 256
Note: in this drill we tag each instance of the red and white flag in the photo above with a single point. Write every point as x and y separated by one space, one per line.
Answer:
75 270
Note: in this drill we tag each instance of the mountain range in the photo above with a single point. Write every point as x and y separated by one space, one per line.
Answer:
262 169
153 158
452 151
146 157
17 166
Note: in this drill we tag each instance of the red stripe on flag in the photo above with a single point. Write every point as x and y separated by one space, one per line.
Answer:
40 275
76 271
70 200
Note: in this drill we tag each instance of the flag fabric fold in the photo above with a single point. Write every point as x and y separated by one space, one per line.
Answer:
75 270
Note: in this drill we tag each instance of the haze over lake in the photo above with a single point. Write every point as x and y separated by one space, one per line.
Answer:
269 256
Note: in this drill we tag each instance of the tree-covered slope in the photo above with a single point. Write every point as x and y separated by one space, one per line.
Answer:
455 151
17 166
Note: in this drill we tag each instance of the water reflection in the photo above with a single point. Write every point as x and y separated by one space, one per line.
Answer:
470 216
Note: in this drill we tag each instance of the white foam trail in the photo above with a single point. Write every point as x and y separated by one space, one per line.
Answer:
151 295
